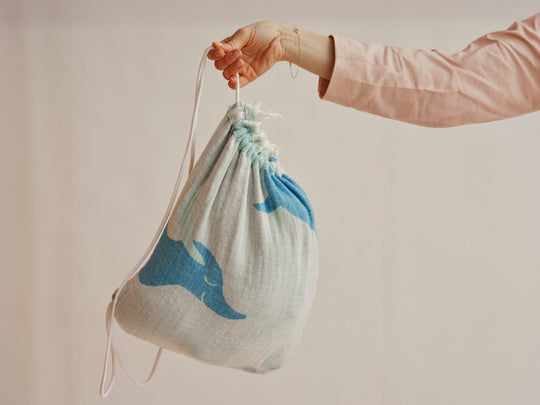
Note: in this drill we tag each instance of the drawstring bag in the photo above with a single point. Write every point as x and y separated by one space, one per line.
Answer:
231 273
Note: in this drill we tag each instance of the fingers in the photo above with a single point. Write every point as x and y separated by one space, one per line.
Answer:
228 56
219 51
230 62
216 54
243 81
224 46
235 41
229 44
228 59
233 69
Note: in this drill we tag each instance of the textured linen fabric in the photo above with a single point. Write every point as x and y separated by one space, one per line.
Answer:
232 279
496 76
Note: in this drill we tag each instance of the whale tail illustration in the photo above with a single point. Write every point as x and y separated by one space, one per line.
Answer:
217 303
284 192
172 264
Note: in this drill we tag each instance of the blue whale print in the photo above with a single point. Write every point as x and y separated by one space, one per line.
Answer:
171 263
284 192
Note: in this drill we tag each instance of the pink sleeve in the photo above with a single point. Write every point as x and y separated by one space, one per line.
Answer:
496 76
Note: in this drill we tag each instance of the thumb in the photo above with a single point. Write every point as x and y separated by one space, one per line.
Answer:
235 41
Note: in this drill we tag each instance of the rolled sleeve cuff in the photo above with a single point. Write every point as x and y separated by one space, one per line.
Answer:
329 89
369 78
356 69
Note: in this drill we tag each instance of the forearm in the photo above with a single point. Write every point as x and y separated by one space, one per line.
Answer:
497 76
315 53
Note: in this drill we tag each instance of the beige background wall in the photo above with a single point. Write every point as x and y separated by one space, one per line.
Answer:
429 261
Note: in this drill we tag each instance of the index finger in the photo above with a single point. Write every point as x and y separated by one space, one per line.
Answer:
216 54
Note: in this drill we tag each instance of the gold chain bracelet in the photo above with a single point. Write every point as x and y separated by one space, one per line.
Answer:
290 63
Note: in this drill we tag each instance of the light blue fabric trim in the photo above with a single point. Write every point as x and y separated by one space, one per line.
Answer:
243 136
244 126
283 193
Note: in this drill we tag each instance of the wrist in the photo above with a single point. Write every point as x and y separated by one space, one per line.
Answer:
288 40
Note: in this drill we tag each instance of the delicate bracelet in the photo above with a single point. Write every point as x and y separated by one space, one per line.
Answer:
290 63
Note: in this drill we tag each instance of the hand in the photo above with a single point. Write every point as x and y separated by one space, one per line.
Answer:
251 51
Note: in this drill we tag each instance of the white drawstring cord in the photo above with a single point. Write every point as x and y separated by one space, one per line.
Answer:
237 87
111 354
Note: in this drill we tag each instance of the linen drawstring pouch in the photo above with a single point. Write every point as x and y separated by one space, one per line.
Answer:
231 274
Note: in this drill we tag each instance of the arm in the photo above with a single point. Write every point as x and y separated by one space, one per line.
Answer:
316 53
496 76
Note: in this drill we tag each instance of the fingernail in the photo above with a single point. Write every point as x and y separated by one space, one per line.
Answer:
233 78
238 63
236 53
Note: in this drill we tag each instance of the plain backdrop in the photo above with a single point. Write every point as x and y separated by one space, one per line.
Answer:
429 239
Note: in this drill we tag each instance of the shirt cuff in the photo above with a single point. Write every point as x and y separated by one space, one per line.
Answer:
323 83
340 87
363 71
372 78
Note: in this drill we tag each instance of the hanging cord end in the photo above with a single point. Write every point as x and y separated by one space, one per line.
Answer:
104 386
238 87
111 355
